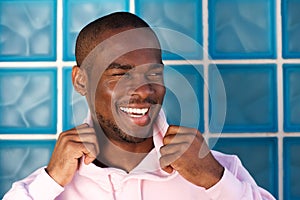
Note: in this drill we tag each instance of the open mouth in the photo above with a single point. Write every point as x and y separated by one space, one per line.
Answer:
135 112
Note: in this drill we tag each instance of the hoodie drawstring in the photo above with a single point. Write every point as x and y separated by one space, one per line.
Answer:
140 189
113 195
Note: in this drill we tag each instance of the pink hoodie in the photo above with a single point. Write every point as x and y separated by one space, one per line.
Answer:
147 181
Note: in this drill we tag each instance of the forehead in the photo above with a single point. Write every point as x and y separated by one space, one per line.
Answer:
127 46
124 40
139 45
142 36
140 57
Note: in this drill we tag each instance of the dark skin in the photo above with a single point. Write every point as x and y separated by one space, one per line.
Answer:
125 102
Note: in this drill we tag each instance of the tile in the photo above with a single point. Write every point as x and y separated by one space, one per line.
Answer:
242 29
75 108
78 13
183 102
290 28
27 30
19 158
28 100
291 77
251 94
258 155
291 168
180 33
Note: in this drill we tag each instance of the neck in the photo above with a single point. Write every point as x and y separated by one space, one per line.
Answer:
121 154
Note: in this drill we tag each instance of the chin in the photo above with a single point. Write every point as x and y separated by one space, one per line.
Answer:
122 132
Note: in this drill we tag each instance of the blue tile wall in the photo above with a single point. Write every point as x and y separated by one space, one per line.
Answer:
251 94
242 29
291 168
27 30
290 28
180 16
291 73
75 107
258 155
19 158
78 13
242 40
183 103
28 100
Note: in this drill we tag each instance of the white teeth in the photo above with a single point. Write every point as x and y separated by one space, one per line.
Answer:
135 112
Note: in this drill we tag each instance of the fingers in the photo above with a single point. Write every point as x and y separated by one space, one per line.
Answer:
167 160
90 151
70 146
176 142
82 139
171 153
79 141
177 134
85 125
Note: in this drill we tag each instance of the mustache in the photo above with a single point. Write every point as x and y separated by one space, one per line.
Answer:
147 100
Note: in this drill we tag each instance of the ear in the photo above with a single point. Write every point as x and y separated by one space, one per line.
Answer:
79 79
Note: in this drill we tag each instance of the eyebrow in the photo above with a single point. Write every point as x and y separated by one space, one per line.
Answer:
129 67
157 66
119 66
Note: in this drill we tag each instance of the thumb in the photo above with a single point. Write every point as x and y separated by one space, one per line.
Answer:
88 160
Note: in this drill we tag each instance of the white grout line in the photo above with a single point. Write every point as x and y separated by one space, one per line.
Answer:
27 64
254 135
169 62
132 6
27 137
205 67
60 64
279 97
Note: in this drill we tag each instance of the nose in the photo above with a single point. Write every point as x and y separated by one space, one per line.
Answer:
140 86
143 91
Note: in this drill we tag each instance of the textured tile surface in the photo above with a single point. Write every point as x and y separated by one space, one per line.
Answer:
291 28
291 98
75 106
242 29
183 103
28 100
165 14
27 30
251 97
237 29
78 13
291 168
258 155
20 158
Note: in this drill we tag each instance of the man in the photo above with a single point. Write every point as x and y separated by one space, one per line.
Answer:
126 149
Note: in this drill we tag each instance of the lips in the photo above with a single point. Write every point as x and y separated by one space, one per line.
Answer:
139 116
135 112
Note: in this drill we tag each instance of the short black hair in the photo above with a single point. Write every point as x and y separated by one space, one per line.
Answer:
91 35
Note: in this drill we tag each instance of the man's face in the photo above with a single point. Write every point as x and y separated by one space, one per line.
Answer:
129 94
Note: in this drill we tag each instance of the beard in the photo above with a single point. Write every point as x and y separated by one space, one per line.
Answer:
111 130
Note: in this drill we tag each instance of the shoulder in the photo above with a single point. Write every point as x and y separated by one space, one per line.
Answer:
229 161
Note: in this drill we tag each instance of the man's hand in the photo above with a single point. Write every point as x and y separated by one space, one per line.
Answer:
70 147
186 151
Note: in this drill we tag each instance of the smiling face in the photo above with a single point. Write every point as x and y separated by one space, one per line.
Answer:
130 92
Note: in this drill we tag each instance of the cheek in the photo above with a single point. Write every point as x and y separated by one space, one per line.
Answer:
160 91
103 96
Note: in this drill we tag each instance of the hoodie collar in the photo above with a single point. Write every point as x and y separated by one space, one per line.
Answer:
148 168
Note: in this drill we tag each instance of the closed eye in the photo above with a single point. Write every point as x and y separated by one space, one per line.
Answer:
155 74
119 74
